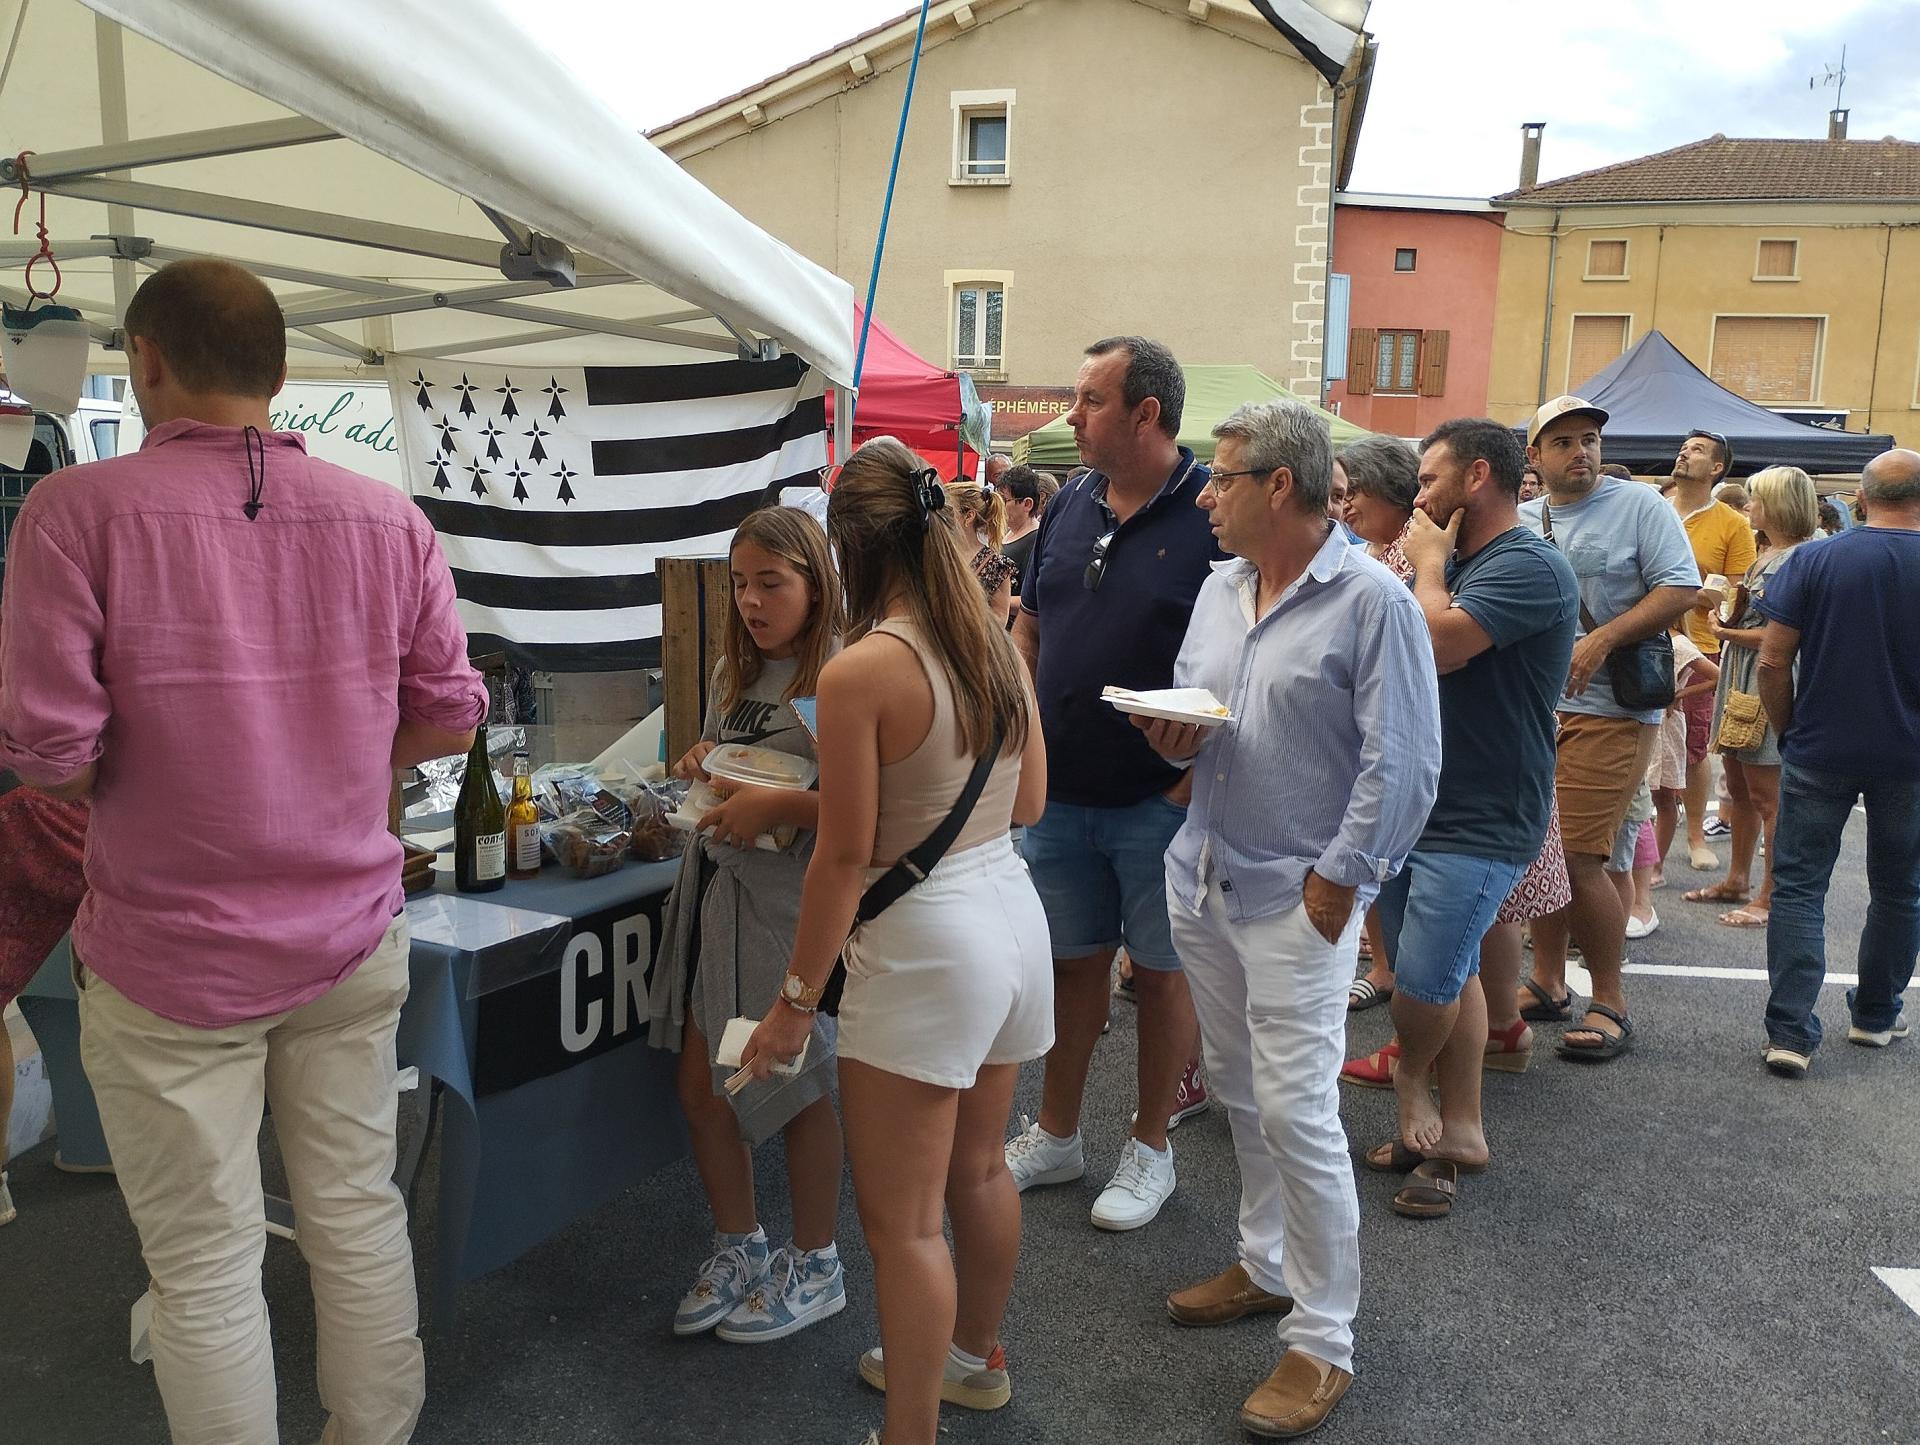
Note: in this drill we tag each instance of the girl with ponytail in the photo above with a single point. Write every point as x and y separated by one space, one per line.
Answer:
981 514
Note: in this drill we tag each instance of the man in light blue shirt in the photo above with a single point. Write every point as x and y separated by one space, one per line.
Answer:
1304 803
1637 577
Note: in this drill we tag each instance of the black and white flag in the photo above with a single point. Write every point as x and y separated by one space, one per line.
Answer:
554 489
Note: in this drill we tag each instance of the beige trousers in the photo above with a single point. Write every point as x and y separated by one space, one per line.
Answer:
181 1110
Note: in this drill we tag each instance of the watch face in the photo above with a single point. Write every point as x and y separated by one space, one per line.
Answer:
793 988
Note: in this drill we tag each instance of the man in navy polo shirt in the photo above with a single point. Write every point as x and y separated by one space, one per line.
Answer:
1121 555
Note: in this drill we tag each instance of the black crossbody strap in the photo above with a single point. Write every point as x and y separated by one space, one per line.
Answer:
891 886
1546 530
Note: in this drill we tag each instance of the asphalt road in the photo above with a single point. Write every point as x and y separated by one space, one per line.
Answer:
1673 1247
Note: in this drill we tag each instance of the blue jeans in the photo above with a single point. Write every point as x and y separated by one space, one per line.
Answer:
1814 807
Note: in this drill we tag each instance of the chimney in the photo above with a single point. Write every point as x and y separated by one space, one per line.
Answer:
1836 125
1530 152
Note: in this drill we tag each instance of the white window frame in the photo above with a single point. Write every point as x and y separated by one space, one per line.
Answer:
1819 350
968 105
1626 259
953 283
1761 241
1625 318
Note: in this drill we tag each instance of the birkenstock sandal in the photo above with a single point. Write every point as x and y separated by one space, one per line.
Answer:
1429 1191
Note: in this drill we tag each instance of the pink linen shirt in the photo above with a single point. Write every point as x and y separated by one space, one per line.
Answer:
239 684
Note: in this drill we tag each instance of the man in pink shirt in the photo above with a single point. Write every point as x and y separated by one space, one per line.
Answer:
229 646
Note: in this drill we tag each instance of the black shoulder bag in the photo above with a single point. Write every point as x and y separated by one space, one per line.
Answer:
1641 672
894 884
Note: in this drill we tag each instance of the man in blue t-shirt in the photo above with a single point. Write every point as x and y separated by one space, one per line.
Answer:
1849 726
1105 601
1501 606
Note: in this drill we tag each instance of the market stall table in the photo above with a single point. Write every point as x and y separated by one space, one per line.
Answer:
527 1018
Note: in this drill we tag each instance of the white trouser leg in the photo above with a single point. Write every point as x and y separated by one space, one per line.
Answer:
1299 1215
330 1080
180 1108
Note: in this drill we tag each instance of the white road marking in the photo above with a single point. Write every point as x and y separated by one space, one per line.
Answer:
1582 982
1903 1282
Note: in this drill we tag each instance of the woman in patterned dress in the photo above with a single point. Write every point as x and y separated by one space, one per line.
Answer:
982 515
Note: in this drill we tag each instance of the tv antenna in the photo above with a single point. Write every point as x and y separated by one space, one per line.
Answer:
1836 76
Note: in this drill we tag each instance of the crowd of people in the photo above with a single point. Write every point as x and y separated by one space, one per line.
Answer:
1470 690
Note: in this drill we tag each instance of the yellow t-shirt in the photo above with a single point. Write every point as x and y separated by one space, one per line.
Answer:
1722 542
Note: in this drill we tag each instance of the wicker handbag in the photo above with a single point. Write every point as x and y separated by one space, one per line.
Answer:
1743 723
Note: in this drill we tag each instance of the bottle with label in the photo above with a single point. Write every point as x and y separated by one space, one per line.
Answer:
523 824
479 825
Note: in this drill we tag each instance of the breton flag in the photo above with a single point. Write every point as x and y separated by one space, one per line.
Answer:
553 489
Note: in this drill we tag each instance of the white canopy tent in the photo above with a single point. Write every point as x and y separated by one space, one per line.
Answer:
424 179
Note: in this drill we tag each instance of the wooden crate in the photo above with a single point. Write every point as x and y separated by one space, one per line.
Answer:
695 593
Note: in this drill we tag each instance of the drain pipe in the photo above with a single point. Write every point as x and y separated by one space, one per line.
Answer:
1546 322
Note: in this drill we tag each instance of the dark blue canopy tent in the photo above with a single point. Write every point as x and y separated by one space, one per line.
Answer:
1654 396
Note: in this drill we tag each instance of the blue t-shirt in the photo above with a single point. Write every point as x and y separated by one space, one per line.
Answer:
1497 718
1125 634
1856 705
1622 541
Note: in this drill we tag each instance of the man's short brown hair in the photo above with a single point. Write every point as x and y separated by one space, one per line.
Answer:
219 327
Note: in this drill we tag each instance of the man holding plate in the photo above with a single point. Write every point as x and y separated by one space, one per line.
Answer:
1304 803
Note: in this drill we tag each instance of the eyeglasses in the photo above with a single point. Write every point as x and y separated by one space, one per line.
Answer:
1215 478
1097 568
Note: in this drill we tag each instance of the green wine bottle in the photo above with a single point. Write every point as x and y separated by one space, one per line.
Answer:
479 825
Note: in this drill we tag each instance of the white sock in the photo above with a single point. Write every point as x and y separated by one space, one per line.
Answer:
828 1253
1057 1138
1166 1153
971 1364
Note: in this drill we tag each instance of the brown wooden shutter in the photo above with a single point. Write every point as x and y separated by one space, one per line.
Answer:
1596 344
1766 358
1363 355
1433 363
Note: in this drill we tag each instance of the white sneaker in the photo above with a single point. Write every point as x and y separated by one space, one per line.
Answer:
1871 1038
7 1212
1787 1063
1139 1187
1035 1157
1637 929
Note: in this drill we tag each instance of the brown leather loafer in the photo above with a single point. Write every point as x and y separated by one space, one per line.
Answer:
1296 1398
1224 1298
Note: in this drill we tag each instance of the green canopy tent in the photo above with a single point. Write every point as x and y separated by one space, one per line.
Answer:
1212 393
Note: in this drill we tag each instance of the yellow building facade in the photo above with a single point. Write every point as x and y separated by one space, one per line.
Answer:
1789 271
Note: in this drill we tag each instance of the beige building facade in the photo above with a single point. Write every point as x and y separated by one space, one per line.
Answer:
1072 168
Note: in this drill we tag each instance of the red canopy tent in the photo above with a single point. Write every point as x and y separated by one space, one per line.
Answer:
904 395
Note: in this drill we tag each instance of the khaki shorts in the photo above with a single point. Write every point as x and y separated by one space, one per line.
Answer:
1600 763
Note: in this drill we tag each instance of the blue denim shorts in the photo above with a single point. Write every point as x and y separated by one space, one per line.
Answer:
1102 877
1433 914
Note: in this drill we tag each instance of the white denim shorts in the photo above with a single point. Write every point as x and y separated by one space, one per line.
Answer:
956 975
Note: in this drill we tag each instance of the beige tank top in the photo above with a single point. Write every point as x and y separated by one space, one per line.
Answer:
917 792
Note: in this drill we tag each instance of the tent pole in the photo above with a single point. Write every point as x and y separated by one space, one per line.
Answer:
886 207
111 62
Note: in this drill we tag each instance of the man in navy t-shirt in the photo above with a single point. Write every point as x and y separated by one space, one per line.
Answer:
1501 605
1841 612
1105 601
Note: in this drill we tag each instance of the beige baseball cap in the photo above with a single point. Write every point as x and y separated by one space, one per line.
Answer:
1562 406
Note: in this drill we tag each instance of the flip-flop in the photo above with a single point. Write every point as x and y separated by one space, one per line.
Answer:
1611 1046
1429 1191
1546 1009
1364 993
1395 1156
1742 918
1716 893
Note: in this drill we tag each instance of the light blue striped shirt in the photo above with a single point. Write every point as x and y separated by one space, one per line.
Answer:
1333 755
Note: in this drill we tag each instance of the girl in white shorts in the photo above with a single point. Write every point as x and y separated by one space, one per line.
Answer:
951 988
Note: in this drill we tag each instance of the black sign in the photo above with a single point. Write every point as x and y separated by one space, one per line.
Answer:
594 1003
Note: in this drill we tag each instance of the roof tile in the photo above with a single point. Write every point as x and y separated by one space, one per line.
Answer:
1719 169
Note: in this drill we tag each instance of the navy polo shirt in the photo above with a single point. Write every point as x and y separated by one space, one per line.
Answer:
1126 634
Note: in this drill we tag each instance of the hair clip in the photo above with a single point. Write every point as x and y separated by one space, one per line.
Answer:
928 492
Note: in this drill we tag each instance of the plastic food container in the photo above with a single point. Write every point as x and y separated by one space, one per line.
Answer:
761 767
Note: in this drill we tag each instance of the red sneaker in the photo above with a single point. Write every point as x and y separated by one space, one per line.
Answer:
1192 1097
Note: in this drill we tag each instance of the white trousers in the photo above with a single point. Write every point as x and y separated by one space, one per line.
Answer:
181 1110
1271 997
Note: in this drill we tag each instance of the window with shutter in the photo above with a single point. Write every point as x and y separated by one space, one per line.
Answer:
1433 363
1778 260
1767 358
1598 342
1396 368
1606 261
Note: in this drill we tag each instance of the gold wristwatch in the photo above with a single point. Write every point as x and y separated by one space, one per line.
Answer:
796 992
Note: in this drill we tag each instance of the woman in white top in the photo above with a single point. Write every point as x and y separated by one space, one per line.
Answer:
949 990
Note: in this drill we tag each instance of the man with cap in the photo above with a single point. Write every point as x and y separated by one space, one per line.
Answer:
1637 578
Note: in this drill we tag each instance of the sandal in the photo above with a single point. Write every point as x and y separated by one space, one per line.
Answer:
1505 1054
1376 1070
1717 893
1611 1046
1429 1191
1393 1156
1742 918
1364 993
1546 1009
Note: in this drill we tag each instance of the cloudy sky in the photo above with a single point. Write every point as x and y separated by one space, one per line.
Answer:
1456 77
